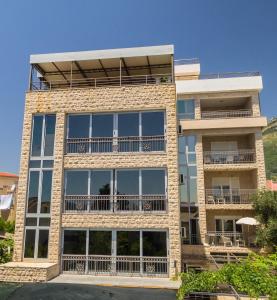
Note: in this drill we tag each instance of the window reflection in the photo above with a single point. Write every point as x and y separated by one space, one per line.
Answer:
33 192
74 242
46 191
30 243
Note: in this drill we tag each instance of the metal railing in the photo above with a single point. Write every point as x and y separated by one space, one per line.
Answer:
116 144
230 196
115 265
226 239
228 75
150 79
230 157
193 239
186 61
114 203
226 114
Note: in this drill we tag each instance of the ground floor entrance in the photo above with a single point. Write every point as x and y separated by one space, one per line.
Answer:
115 252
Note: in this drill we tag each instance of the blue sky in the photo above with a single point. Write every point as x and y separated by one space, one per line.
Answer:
237 35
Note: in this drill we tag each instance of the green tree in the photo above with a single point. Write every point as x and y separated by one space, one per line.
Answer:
265 206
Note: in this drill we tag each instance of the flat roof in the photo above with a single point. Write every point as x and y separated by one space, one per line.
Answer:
6 174
102 54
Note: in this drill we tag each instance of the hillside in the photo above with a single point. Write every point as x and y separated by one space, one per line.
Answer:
270 149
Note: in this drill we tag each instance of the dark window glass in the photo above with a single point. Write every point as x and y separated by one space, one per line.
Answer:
152 123
191 143
31 222
76 182
100 183
128 182
128 124
33 192
34 163
102 125
154 243
48 164
37 135
43 243
128 243
100 242
46 191
74 242
78 126
44 221
30 238
185 109
50 123
153 182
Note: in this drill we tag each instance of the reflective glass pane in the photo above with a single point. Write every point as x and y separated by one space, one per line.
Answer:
30 238
48 164
33 192
152 123
46 191
50 123
100 242
128 124
182 158
193 190
34 163
31 222
184 192
43 243
154 243
218 225
128 243
191 158
228 225
192 171
153 182
37 135
76 182
74 242
102 125
182 143
181 106
100 183
78 126
128 182
191 140
44 221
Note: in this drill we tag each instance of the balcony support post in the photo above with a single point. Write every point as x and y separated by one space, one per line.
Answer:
120 70
31 77
71 65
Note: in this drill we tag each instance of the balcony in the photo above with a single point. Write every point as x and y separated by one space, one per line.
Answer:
115 265
115 203
115 144
230 196
241 156
226 114
229 239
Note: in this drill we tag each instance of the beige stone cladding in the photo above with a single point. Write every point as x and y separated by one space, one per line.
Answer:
108 99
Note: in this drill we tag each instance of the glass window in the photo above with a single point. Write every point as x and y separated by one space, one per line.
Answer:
100 242
43 243
100 183
46 191
50 123
31 222
153 182
34 163
191 143
33 192
128 182
102 125
154 243
48 164
37 135
193 190
78 126
185 109
192 171
30 238
76 183
44 222
152 123
191 158
182 143
128 243
184 192
128 124
74 242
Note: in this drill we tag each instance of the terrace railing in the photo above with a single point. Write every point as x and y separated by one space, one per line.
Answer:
228 75
151 79
231 196
230 157
226 239
115 203
115 265
226 114
193 239
116 144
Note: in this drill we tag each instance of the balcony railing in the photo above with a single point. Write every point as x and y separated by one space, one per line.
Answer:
116 144
228 75
226 114
194 239
115 265
115 203
231 196
41 85
225 239
229 157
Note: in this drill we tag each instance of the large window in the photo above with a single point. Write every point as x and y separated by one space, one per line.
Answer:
118 132
186 109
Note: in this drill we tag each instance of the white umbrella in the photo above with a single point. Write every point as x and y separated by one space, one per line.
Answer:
248 221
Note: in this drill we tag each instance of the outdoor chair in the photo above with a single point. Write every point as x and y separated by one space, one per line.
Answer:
226 241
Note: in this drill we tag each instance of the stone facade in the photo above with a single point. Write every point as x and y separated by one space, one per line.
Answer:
108 99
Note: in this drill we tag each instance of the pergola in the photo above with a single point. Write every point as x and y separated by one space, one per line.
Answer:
102 67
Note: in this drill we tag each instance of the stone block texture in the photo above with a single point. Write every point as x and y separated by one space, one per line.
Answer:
90 100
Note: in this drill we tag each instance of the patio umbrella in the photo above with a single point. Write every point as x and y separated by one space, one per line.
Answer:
248 221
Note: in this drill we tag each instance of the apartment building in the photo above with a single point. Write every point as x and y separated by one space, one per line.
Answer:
134 164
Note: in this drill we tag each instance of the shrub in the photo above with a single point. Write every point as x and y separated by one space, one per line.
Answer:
6 250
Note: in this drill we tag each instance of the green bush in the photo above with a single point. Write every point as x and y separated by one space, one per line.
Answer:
6 250
7 226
